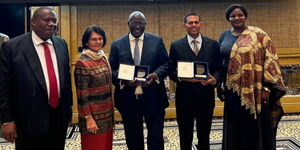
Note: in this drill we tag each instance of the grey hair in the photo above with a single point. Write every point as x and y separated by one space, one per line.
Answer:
136 13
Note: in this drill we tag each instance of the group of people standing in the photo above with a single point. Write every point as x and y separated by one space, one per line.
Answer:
243 66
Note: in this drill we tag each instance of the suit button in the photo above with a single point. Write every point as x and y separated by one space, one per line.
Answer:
33 94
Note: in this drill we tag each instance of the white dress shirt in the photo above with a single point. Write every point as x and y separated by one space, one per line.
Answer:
132 44
191 43
37 42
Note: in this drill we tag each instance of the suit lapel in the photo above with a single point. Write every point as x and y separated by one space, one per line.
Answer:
145 49
59 58
203 51
186 46
34 61
128 49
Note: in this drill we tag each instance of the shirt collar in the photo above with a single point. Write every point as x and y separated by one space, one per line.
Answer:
37 40
190 39
132 38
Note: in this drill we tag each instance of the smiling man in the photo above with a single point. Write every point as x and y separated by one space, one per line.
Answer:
195 98
139 48
35 86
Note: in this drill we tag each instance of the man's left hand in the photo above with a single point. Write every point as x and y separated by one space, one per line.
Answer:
9 131
151 78
210 80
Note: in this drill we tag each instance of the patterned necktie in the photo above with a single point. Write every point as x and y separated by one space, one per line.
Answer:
136 53
196 48
53 98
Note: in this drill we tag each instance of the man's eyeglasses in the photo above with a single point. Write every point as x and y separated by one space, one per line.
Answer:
132 23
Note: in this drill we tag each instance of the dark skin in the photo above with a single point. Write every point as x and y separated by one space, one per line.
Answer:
44 24
137 24
237 20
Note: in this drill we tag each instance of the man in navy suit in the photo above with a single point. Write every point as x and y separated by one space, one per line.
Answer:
35 86
139 48
195 98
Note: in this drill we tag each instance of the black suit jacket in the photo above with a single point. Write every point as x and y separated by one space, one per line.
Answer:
210 52
23 92
155 56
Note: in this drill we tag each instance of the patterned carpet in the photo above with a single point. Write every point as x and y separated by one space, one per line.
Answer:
288 137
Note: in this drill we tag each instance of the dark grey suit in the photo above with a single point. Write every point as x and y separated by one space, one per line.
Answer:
3 38
154 100
23 92
194 101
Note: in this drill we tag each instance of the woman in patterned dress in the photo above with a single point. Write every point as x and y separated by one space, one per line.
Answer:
252 85
94 97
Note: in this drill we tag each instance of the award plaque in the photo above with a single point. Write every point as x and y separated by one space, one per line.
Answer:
197 70
201 70
126 72
141 73
185 69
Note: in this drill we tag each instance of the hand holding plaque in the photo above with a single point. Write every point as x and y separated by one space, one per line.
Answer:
131 72
197 70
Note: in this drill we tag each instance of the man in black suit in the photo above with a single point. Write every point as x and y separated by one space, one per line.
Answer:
195 98
139 48
35 86
3 38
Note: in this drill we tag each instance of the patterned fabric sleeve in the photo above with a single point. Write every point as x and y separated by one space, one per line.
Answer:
82 80
272 67
273 75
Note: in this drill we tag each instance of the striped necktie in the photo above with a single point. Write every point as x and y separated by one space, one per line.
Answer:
196 48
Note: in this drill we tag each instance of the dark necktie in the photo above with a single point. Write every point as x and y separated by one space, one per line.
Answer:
136 53
53 98
196 48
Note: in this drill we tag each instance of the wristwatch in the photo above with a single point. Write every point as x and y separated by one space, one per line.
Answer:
266 89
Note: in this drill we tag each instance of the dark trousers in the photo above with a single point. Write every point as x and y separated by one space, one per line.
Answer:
132 118
54 140
189 110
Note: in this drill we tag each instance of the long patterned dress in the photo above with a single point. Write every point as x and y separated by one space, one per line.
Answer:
93 86
250 63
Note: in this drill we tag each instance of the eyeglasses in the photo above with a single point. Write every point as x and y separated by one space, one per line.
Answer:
132 23
193 22
96 39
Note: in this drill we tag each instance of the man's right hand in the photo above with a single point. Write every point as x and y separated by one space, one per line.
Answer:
9 131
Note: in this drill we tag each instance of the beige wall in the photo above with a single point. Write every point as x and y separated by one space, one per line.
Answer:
279 18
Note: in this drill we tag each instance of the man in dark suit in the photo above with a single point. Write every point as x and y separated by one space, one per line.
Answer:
139 48
195 98
35 86
3 38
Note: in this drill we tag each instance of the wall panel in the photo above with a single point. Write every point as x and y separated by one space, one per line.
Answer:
279 18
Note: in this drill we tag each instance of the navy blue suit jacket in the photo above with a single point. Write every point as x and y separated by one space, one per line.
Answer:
155 56
23 92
